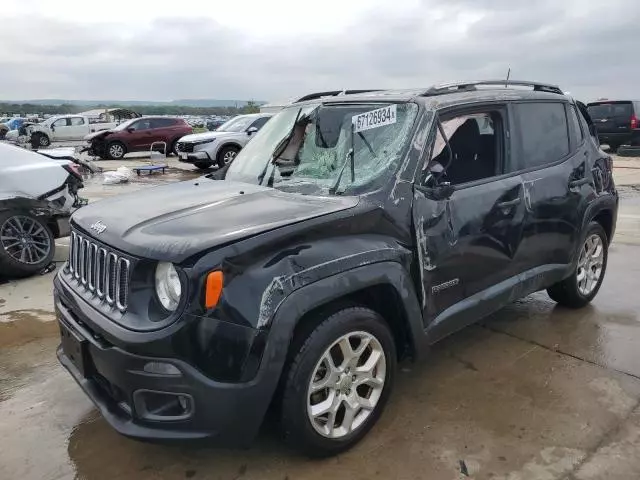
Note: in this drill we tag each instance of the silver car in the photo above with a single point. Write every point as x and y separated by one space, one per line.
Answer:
222 145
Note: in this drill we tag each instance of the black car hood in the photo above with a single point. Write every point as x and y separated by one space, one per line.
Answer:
173 222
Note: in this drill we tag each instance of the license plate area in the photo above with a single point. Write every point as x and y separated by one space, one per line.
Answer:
75 347
183 156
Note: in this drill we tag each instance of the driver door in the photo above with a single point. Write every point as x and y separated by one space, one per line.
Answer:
61 129
467 238
140 138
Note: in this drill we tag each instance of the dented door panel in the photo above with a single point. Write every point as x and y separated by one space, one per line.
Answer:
466 243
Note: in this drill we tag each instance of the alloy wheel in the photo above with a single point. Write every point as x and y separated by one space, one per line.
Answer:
590 264
346 384
229 156
25 239
116 151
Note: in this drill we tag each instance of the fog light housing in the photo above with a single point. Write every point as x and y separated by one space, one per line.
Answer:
162 406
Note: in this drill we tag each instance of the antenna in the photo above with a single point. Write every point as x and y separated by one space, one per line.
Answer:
506 83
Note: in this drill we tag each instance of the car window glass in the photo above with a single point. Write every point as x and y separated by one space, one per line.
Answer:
61 122
75 121
260 122
141 125
474 145
541 133
161 122
574 126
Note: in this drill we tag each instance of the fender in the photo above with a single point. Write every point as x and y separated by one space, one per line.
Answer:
331 288
601 203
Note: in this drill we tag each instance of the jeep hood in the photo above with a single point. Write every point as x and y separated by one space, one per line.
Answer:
173 222
199 137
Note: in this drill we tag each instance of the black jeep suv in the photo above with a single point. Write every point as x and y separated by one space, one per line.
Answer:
354 230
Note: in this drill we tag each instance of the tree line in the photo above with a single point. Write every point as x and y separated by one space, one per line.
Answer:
66 108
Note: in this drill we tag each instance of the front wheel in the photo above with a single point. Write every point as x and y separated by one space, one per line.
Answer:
226 155
39 140
116 150
26 244
582 286
338 382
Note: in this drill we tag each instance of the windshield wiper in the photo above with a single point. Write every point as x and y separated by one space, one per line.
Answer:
279 149
350 158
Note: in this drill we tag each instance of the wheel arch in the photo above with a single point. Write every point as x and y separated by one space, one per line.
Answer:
385 287
229 143
604 211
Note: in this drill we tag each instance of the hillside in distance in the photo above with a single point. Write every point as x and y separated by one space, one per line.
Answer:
132 103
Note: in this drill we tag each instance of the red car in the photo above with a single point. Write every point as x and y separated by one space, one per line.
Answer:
137 135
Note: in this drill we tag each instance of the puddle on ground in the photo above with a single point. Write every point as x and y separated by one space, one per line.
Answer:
22 326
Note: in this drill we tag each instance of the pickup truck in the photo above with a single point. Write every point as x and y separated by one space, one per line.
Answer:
63 128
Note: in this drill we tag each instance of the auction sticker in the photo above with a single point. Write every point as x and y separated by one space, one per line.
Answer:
374 119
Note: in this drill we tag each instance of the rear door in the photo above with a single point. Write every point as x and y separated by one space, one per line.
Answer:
78 128
550 152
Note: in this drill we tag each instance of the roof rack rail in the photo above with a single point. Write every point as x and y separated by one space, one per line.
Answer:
332 93
472 86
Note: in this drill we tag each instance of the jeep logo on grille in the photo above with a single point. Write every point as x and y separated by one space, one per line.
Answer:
98 227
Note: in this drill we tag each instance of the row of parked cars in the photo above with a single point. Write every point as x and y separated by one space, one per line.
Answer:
351 232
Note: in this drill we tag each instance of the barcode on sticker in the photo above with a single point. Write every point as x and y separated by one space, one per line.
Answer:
374 118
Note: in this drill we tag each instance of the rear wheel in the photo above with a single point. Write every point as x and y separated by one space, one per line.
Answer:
582 286
338 382
26 244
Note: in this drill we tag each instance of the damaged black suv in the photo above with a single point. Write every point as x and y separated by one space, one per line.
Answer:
353 231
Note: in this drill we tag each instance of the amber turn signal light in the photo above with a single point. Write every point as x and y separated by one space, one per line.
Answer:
213 289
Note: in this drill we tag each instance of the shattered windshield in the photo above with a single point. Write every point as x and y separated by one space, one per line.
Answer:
328 148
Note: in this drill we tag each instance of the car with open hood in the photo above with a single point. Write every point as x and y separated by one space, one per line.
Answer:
220 146
353 231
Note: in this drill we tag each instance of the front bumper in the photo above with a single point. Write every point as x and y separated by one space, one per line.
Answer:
116 381
192 157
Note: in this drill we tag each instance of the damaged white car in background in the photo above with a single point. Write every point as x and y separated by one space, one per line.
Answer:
38 193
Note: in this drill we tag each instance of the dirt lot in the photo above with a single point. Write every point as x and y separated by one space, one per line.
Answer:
534 392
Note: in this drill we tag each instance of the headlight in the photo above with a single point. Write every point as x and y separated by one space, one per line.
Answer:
168 285
202 142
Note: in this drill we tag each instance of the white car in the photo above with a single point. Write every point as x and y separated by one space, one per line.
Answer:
38 193
222 145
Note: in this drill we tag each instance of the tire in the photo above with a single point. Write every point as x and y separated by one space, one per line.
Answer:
36 256
569 292
227 154
116 150
39 140
629 151
203 165
172 149
298 428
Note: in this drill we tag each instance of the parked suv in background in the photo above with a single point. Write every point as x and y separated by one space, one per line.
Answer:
617 122
222 145
352 231
137 135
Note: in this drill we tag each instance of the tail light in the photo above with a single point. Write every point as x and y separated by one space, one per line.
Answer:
634 122
73 169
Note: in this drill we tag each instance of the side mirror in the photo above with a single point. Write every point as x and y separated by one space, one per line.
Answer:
131 129
251 130
441 191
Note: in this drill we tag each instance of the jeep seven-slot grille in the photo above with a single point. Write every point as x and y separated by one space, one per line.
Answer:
100 271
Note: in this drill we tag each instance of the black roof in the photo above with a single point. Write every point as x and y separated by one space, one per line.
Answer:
441 96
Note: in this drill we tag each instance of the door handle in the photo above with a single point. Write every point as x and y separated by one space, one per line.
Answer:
509 203
579 182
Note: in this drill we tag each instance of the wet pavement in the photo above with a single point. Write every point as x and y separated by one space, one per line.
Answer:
533 392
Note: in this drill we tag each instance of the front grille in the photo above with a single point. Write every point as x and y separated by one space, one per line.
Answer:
185 147
100 271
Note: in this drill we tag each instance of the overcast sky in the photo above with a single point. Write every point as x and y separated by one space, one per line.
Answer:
273 50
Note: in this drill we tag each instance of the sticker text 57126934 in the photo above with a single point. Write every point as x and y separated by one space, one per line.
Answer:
374 118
